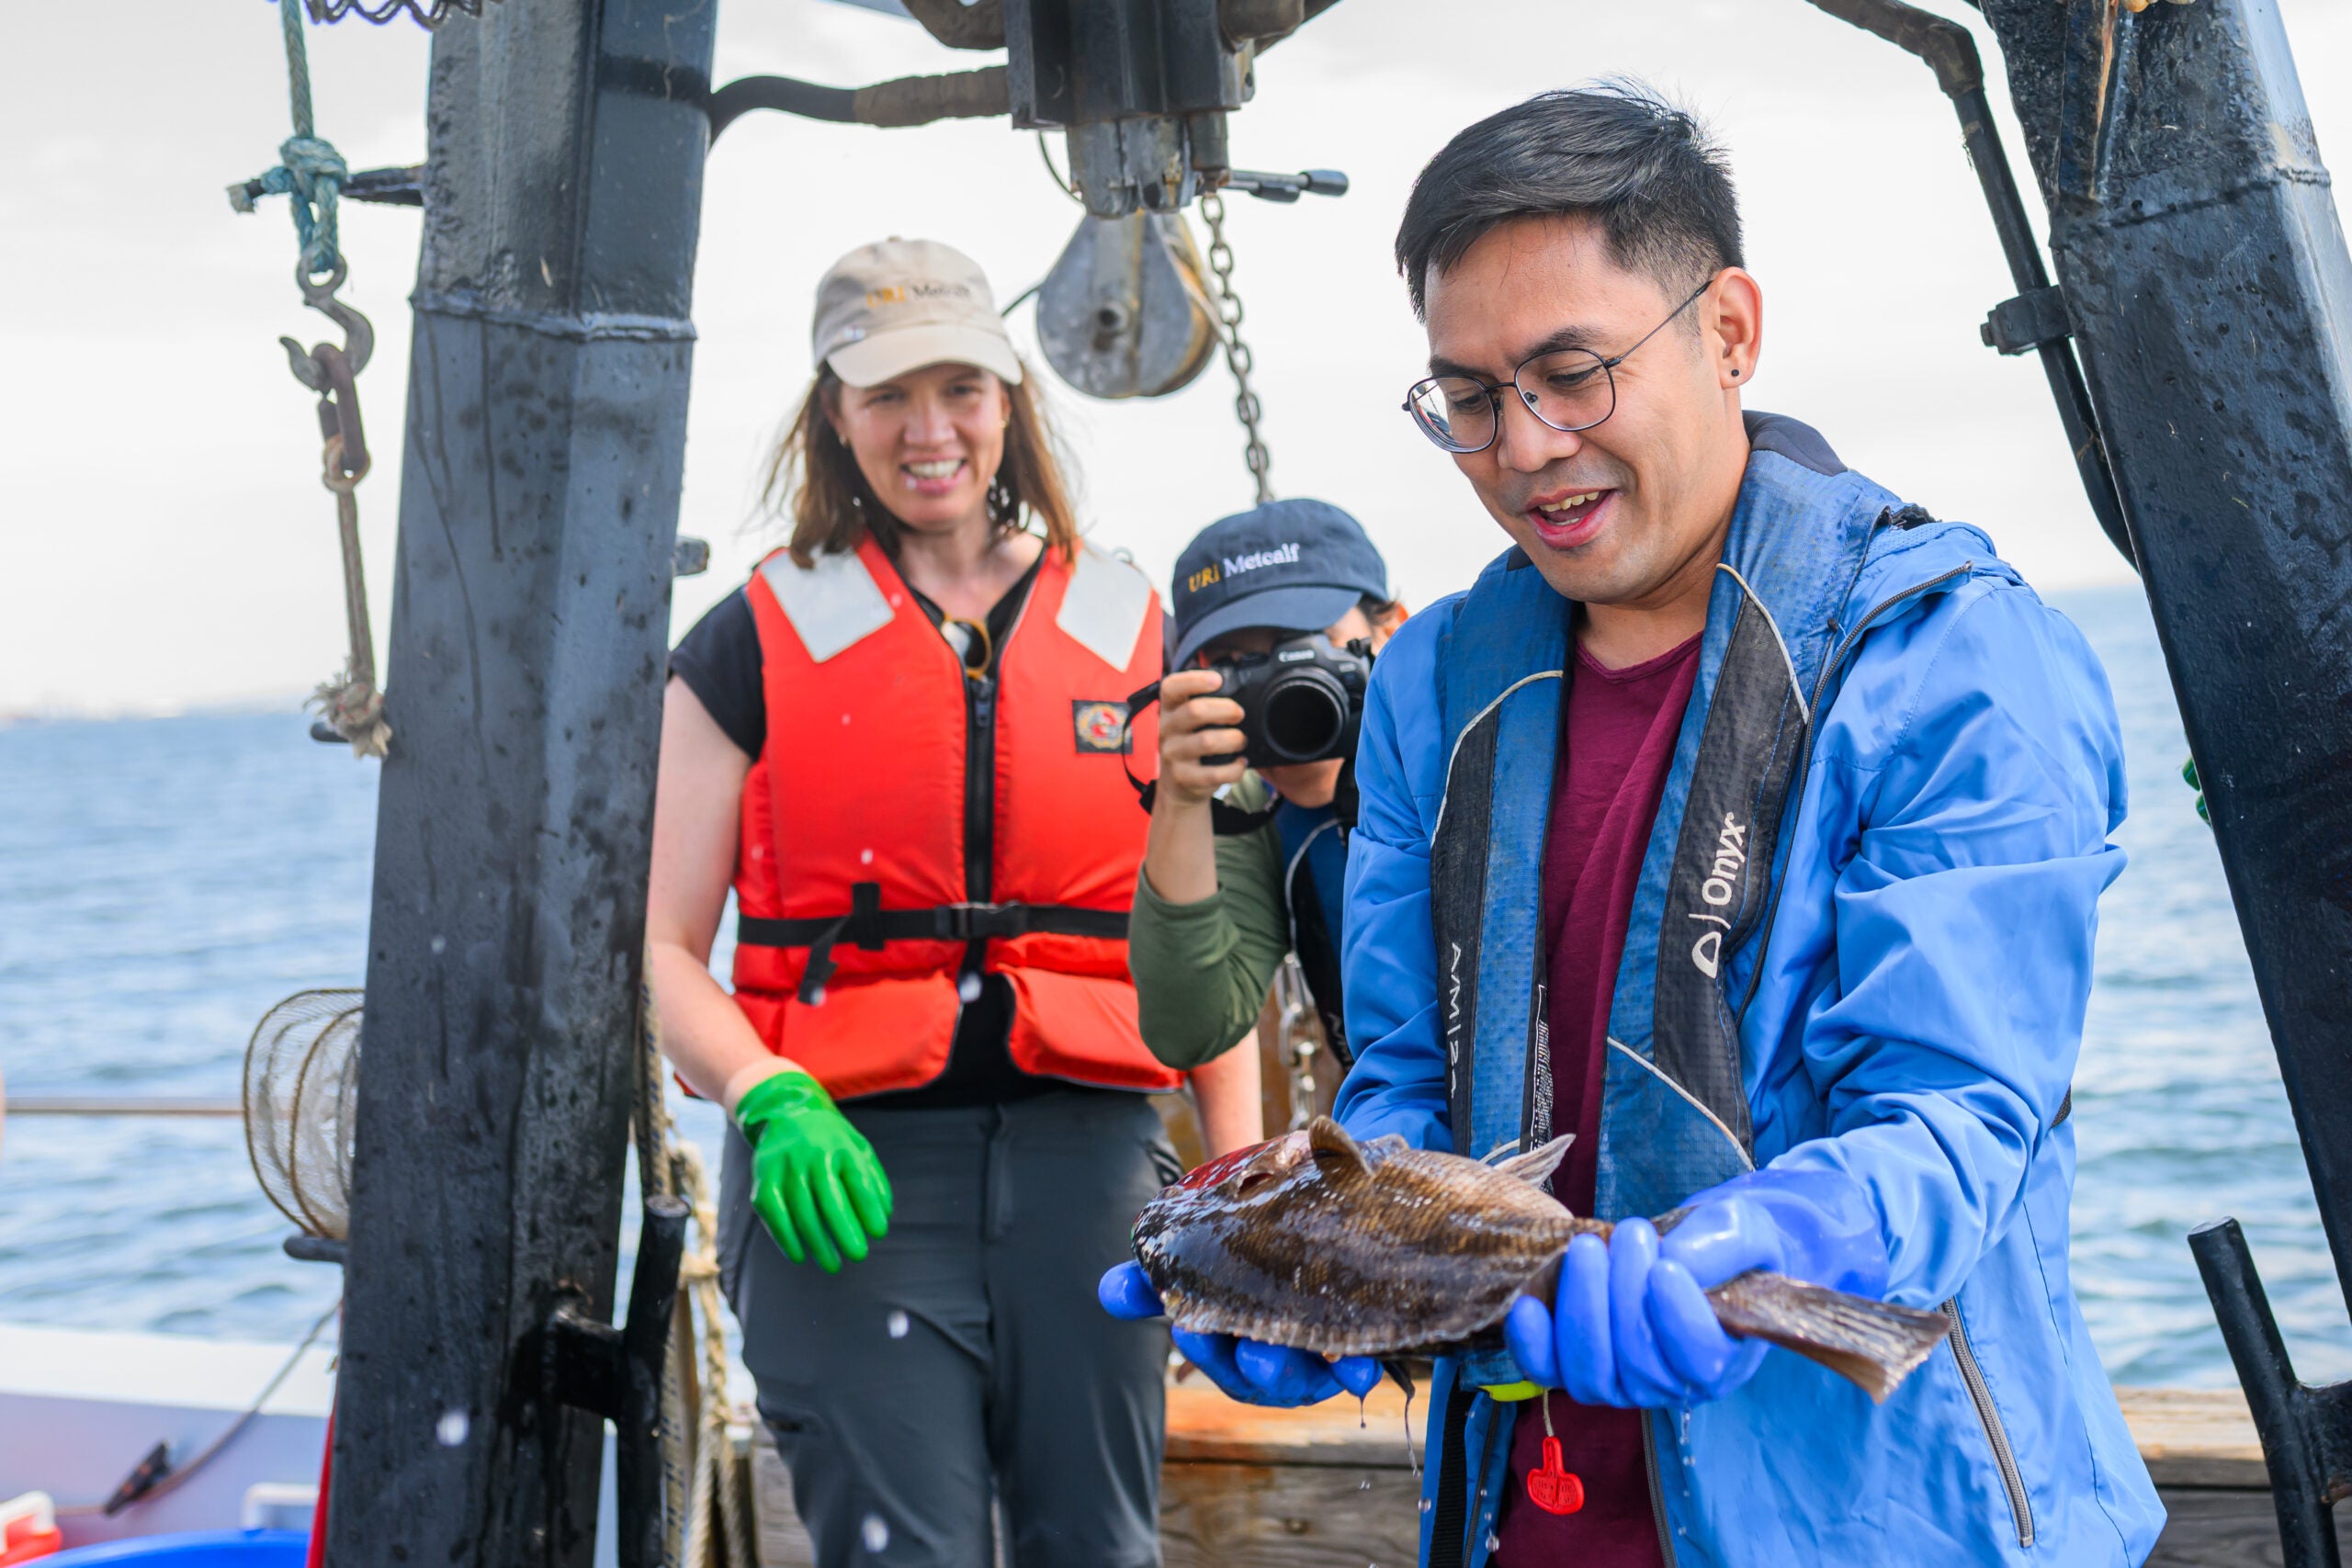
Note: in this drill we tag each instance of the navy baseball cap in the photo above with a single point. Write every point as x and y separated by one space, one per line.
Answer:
1295 565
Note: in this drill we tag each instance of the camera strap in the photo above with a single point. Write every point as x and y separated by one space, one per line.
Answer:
1225 821
1344 799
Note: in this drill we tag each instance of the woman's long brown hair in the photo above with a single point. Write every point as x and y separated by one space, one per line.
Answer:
814 480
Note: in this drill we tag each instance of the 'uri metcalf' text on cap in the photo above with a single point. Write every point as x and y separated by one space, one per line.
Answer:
1294 565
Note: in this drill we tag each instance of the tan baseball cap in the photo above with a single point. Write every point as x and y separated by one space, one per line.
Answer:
898 305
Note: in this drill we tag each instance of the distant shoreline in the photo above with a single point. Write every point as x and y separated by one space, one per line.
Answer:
294 702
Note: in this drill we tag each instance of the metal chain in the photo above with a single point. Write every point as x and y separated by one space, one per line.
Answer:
1294 1042
354 708
1237 357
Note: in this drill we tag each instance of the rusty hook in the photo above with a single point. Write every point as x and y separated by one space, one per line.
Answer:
358 332
332 372
339 420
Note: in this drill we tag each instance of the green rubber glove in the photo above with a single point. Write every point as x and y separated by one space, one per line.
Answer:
815 1181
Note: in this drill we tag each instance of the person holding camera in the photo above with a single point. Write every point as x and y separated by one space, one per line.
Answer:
1278 613
902 744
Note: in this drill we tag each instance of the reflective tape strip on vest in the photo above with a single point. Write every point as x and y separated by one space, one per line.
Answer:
862 781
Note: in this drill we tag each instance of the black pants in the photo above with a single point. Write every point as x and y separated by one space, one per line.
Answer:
966 1355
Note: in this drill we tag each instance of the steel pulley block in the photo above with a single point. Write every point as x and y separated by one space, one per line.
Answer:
1124 313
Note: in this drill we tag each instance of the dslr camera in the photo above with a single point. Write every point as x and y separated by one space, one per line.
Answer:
1302 700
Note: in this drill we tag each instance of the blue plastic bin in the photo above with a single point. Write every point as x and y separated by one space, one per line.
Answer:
200 1549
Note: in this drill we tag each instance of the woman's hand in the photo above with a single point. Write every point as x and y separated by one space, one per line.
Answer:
815 1182
1194 725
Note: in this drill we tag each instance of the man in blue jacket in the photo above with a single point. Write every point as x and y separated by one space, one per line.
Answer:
1750 824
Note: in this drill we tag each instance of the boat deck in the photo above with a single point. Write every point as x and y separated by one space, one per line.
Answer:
1331 1487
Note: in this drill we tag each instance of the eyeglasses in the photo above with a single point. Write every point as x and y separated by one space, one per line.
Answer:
1567 389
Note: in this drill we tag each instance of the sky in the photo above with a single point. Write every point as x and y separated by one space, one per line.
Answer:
165 542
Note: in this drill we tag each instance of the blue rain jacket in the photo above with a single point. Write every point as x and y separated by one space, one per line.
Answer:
1861 942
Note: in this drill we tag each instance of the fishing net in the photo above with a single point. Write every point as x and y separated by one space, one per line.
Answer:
428 12
302 1094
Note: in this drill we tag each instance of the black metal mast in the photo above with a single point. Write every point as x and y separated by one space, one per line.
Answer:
2209 290
539 501
2208 287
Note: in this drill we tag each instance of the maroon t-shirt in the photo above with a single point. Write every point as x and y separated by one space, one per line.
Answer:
1617 741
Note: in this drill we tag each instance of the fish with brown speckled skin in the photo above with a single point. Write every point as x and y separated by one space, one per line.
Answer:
1316 1241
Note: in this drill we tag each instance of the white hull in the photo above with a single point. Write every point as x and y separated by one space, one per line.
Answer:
79 1410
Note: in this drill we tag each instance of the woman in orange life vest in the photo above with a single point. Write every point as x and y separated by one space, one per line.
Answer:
902 746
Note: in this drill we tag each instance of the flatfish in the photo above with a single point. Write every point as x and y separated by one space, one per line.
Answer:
1378 1249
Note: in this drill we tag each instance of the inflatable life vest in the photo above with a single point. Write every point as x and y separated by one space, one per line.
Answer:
894 818
1315 880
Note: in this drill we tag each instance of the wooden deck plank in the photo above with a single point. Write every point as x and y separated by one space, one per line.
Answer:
2209 1528
1334 1487
2195 1438
1288 1516
1205 1427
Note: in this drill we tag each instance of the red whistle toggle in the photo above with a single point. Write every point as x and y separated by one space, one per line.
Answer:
1549 1487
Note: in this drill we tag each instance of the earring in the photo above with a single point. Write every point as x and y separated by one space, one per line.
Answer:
1734 374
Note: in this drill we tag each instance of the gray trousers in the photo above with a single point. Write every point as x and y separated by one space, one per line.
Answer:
966 1358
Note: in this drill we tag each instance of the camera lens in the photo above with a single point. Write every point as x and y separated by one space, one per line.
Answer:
1306 715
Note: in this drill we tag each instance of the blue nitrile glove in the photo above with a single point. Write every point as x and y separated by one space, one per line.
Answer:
1246 1369
1630 1324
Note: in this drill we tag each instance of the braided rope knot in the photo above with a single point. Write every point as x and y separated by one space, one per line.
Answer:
355 709
311 173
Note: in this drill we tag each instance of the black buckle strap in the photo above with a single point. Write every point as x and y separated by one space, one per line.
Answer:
869 926
1450 1529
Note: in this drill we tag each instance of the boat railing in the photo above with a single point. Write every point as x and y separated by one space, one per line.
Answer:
117 1105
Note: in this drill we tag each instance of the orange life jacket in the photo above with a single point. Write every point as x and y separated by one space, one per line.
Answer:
854 896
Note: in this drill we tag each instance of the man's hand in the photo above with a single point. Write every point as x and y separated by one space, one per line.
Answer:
1193 725
1246 1369
815 1180
1630 1323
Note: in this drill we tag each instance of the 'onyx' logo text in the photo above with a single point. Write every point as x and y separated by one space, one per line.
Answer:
1720 890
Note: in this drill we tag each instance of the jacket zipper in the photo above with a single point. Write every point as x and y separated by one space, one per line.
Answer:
1821 682
1535 1127
979 787
1805 757
979 808
2004 1458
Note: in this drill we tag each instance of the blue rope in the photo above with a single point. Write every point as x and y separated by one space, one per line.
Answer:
312 174
309 170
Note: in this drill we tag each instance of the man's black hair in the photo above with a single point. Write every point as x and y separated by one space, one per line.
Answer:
1617 153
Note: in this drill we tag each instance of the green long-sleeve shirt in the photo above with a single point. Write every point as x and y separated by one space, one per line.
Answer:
1202 970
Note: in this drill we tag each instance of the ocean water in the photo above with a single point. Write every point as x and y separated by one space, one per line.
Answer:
164 882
